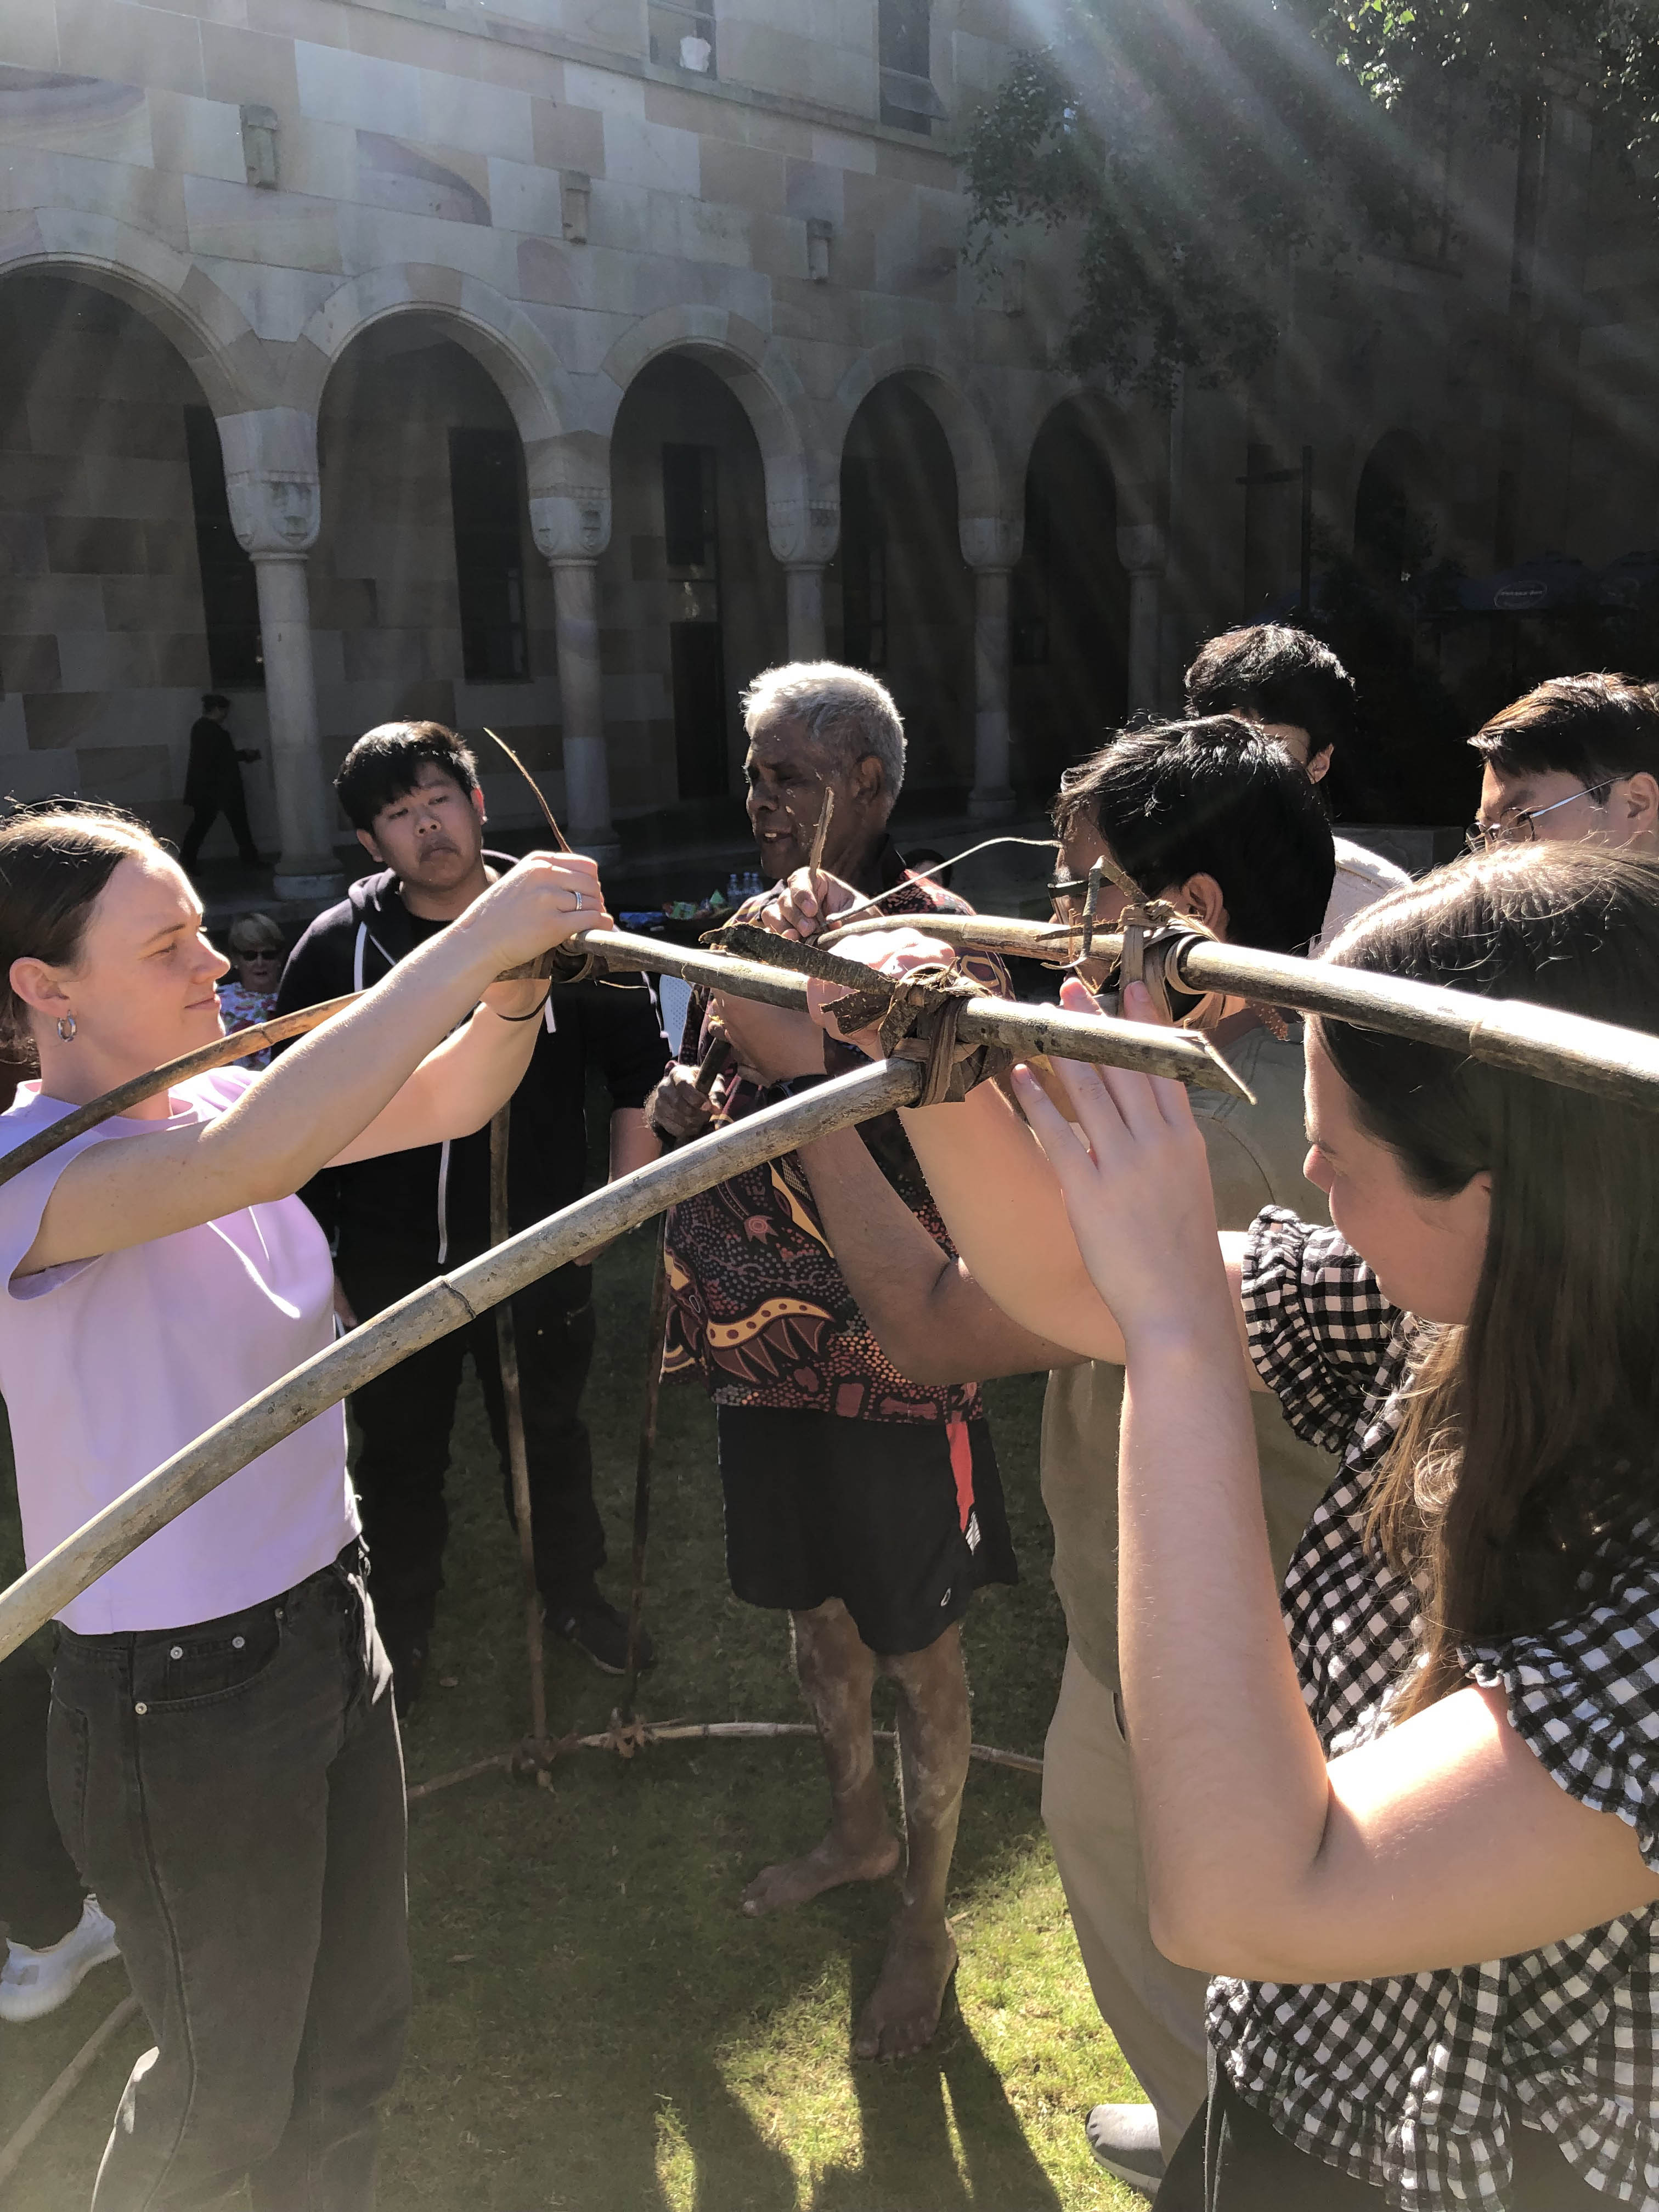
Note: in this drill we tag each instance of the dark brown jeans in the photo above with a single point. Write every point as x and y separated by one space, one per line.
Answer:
234 1791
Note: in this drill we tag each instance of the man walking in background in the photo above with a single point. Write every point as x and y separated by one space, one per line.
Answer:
213 782
411 789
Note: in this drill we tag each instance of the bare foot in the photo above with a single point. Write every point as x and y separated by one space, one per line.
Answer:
904 2006
826 1866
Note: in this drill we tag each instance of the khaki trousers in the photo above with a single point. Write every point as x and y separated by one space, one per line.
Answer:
1155 2010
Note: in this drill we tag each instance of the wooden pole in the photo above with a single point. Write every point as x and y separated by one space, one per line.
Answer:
1581 1055
656 1329
518 1456
434 1310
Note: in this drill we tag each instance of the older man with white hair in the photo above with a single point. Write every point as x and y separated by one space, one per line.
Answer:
865 1505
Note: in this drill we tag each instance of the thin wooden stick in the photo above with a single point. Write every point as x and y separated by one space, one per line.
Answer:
642 1734
559 837
1570 1049
64 2087
435 1310
518 1455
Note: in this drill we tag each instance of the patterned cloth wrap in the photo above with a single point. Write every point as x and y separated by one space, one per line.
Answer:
759 1307
1415 2084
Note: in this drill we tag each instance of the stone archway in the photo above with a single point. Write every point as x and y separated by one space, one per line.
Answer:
128 595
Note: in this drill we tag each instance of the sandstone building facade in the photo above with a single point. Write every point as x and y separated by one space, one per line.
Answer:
555 365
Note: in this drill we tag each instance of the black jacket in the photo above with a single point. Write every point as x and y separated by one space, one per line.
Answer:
416 1212
212 771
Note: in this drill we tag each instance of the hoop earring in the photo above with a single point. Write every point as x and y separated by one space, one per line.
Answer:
66 1029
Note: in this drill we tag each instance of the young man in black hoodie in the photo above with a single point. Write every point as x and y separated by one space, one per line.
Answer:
411 791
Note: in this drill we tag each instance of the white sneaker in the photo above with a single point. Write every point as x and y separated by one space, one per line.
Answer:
1124 2140
34 1982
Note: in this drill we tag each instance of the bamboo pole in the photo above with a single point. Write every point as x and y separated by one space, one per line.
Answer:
434 1310
1570 1049
1184 1055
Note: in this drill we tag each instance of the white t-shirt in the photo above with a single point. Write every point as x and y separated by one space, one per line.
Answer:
1361 878
109 1366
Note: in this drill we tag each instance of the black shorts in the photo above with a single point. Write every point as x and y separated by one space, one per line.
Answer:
901 1521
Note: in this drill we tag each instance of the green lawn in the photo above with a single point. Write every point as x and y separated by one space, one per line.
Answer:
596 2027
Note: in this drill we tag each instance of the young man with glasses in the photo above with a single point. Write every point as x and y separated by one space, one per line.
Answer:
1576 759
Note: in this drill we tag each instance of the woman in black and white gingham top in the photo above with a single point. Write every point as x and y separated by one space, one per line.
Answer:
1407 2083
1442 1746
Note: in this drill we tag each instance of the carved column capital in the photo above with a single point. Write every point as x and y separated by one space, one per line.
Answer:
803 531
570 525
1143 548
272 482
989 541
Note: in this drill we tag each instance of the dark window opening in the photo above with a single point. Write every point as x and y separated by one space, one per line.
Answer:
683 36
485 500
690 519
698 660
904 50
864 568
230 589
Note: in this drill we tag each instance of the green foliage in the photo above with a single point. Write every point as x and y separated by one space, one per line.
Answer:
1194 146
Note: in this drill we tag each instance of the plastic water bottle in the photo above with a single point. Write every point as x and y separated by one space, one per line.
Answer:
734 895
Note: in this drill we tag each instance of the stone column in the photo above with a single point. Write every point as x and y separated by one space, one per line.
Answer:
992 798
581 698
275 506
1143 548
571 531
803 527
804 582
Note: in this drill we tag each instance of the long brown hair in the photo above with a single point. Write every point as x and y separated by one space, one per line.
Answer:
54 863
1529 1452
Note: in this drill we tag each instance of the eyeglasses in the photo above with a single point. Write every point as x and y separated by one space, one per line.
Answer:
1066 896
1522 829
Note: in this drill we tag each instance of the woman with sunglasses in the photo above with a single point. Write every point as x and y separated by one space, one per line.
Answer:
1408 1814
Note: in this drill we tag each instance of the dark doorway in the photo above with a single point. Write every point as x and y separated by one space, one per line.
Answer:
699 679
230 591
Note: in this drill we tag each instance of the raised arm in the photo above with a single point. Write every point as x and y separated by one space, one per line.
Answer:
1443 1843
337 1096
